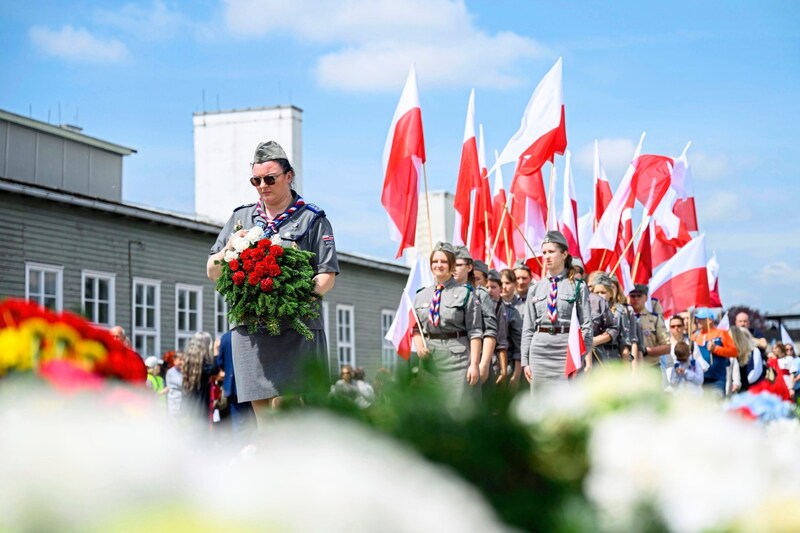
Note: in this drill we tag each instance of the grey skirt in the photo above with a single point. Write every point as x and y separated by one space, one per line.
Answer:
447 366
266 366
548 358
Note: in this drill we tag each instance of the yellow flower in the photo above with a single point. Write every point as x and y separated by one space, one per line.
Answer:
61 341
15 352
90 352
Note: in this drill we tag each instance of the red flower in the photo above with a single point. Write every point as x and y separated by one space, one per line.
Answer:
276 250
238 278
264 244
270 260
245 255
234 265
261 269
266 284
253 279
274 270
248 265
256 254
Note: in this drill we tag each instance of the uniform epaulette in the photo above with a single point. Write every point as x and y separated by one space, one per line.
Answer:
243 206
315 209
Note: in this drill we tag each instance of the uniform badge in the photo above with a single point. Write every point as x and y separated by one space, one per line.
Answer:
238 226
328 239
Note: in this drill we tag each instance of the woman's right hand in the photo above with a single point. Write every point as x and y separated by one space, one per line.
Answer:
240 233
528 373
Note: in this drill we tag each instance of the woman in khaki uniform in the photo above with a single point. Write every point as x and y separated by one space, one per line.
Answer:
449 345
548 312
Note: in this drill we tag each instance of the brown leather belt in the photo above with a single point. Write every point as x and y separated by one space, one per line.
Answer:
553 329
443 336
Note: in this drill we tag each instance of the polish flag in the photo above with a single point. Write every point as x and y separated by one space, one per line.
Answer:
469 177
643 265
682 282
585 232
502 229
576 347
602 189
400 331
480 235
713 281
684 206
673 230
541 135
606 234
652 179
542 132
569 213
403 157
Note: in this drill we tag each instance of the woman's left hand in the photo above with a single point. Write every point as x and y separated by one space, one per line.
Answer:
473 374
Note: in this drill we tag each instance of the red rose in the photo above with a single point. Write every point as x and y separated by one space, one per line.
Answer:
245 255
264 244
253 279
238 278
266 284
234 265
248 265
261 268
274 270
276 250
270 260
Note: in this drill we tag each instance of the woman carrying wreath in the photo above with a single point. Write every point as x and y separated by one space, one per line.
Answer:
267 367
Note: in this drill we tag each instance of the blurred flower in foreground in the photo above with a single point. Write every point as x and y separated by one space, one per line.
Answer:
80 463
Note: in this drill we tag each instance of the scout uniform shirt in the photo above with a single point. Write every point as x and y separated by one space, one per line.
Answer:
488 315
458 312
654 333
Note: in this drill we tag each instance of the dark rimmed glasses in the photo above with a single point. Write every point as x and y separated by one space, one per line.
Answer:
269 179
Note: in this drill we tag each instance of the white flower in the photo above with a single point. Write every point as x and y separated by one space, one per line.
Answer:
240 244
254 235
230 255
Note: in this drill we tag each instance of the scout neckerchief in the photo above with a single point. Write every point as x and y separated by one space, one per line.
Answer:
271 226
433 315
552 299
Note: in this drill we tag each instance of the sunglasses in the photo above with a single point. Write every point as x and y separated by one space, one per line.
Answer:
269 179
675 326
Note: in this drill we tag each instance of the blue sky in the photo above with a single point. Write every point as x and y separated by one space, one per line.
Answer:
725 75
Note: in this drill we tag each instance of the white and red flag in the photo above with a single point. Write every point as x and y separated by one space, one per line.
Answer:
643 263
576 347
403 157
682 282
502 229
602 189
585 232
569 213
684 206
713 281
480 235
402 325
541 135
469 177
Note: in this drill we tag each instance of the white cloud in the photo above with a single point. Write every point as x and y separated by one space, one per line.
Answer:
708 166
375 41
155 21
616 155
779 272
78 44
724 206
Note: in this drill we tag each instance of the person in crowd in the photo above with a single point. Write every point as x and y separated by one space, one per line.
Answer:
654 341
198 367
480 272
174 385
631 337
548 313
677 333
750 362
686 374
118 332
743 321
268 366
241 413
515 310
499 367
523 276
449 343
605 327
465 275
154 380
784 364
773 381
345 387
366 394
717 349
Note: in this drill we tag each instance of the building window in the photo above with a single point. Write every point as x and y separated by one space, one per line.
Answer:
345 335
98 297
326 325
221 324
44 284
188 313
146 333
388 353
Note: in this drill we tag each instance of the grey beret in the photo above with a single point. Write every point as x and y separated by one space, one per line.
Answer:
494 275
640 288
555 237
444 247
462 252
480 266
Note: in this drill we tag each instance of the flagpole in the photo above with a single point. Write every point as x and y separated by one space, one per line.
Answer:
509 261
428 209
636 265
419 324
488 236
502 219
645 220
522 234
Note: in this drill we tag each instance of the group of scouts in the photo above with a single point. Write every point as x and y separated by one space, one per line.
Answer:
477 328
